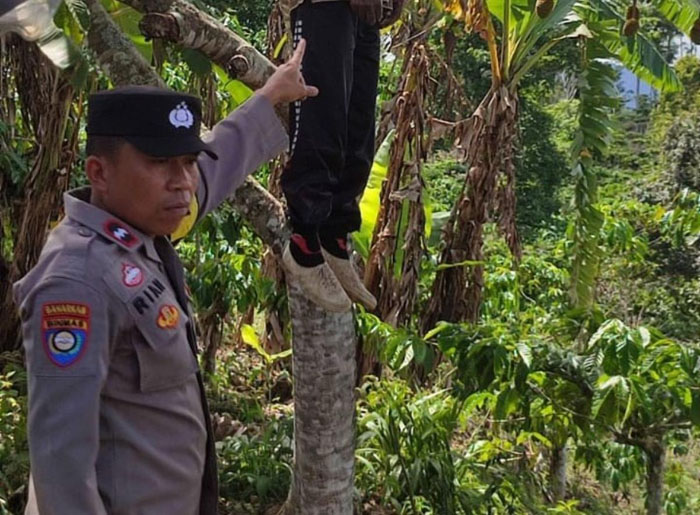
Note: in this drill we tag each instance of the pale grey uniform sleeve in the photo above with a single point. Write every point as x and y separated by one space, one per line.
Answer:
247 138
66 339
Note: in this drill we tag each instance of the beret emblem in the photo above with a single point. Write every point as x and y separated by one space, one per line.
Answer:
181 116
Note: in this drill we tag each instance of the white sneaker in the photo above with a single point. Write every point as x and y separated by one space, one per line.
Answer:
318 283
346 273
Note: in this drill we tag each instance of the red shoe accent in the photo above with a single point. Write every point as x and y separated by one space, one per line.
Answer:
300 242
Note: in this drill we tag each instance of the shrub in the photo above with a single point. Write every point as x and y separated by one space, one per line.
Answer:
682 149
14 448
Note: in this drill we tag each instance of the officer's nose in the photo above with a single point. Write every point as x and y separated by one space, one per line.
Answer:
183 175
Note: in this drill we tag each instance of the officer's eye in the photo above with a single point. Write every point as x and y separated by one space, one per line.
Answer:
159 160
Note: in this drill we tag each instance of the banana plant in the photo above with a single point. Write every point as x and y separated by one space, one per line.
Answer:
518 33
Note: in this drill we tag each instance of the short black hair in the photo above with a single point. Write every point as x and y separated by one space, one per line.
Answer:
103 146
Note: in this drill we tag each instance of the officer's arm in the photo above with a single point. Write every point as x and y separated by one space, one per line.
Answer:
249 137
66 339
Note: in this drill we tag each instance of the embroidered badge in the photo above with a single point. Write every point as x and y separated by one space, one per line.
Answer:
65 327
168 316
181 116
131 275
117 230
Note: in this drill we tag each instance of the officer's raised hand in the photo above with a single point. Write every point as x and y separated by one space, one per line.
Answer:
287 83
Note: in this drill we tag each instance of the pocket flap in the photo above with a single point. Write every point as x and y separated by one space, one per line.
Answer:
164 354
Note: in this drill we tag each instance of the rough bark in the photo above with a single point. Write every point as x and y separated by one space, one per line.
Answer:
184 24
263 212
324 404
558 473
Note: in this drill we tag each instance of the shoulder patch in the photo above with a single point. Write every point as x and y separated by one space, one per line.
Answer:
120 233
65 328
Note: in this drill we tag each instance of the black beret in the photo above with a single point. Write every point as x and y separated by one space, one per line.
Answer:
159 122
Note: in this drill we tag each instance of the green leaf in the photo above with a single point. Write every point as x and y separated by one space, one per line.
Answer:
441 326
525 353
638 54
477 401
369 204
507 403
645 336
420 350
407 358
128 20
468 262
238 91
437 220
681 13
280 45
250 338
197 62
80 11
530 28
281 355
612 399
526 436
644 60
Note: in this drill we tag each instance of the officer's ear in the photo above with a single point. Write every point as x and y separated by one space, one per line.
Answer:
102 152
96 168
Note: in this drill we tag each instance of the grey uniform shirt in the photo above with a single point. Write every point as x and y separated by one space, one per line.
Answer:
117 420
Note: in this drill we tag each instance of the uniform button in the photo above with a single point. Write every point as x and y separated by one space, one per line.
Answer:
84 231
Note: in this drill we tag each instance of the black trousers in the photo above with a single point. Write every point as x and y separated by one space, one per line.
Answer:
332 135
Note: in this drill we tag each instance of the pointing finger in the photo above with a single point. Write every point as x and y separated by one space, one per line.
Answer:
298 53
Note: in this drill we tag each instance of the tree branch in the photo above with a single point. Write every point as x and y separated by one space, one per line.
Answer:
263 212
182 23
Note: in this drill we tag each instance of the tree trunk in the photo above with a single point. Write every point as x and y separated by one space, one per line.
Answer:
212 325
655 451
324 409
324 343
393 266
557 472
487 139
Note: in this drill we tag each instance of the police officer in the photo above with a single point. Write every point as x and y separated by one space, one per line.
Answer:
118 421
